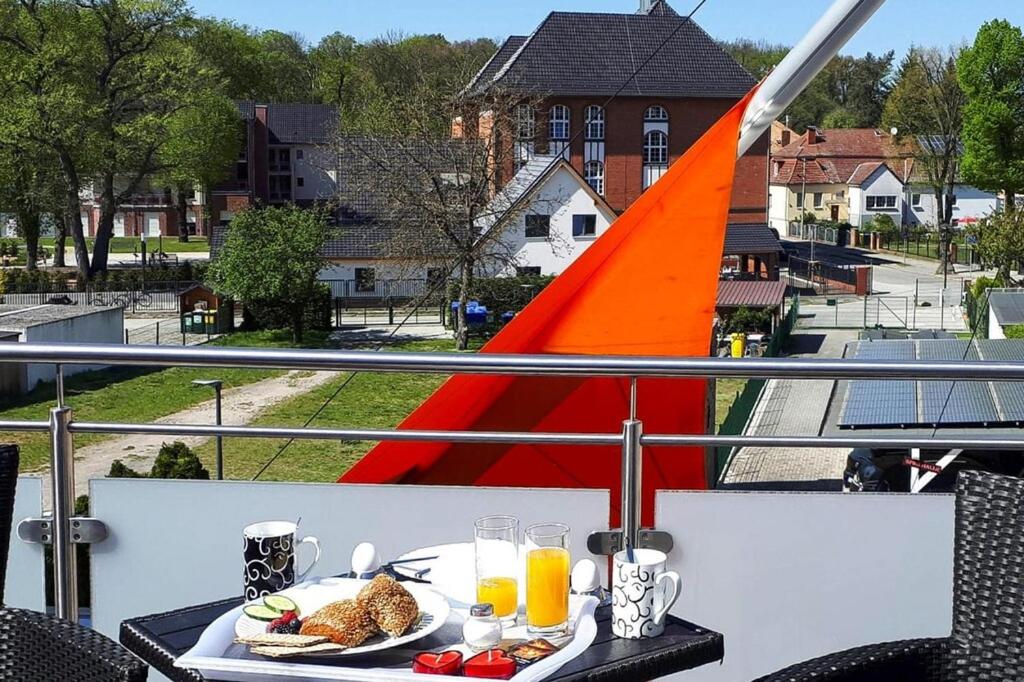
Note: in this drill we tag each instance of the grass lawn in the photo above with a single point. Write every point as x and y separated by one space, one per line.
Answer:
131 244
131 394
725 395
371 400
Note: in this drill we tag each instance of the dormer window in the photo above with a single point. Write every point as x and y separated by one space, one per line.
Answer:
558 123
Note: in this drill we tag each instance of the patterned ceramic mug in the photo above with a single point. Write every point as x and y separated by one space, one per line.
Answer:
642 593
269 552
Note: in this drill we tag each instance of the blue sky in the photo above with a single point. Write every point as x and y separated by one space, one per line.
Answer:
897 24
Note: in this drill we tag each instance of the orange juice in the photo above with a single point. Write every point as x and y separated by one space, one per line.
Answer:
547 587
502 593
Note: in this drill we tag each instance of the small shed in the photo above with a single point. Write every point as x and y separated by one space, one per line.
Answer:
752 251
199 305
751 294
1005 309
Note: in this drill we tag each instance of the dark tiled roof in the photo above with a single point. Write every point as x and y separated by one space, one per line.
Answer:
498 60
302 123
750 294
741 239
578 54
1008 306
246 109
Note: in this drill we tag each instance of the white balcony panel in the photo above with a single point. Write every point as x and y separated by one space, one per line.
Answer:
790 576
178 543
25 587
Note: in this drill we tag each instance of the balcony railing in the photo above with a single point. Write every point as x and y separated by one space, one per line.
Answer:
63 428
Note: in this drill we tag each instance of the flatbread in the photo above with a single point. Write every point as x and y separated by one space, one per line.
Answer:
281 639
286 651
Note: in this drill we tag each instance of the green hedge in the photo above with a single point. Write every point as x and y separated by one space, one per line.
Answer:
28 281
269 315
1014 331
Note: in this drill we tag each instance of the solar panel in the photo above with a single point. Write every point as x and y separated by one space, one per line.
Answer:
954 402
880 402
1009 394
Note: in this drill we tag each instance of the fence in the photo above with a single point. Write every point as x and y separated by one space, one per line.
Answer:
151 297
827 234
825 278
164 333
387 314
962 254
356 292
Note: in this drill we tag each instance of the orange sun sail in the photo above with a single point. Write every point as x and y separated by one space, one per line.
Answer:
647 286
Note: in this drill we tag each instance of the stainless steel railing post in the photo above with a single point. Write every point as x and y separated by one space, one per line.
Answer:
62 474
632 480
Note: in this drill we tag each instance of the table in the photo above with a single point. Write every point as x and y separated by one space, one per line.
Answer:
160 638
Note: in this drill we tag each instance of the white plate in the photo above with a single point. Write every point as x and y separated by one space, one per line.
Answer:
310 597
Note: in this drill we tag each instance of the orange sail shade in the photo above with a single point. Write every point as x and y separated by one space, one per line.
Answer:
647 286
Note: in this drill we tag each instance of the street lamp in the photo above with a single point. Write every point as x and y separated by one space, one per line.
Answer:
217 385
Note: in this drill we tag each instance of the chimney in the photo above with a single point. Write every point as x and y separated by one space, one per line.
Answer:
812 135
645 6
785 139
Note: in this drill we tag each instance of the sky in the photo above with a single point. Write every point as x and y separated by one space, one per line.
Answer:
895 26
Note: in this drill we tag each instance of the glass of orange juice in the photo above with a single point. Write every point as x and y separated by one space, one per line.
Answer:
547 579
496 542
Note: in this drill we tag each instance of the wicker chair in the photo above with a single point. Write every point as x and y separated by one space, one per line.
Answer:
35 647
988 603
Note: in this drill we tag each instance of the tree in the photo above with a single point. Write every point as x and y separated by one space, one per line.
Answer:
331 63
840 118
991 73
176 460
884 225
927 102
271 258
30 187
1000 239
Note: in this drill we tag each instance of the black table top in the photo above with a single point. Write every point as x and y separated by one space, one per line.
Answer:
160 638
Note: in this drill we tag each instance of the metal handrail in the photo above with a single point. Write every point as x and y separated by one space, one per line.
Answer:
494 363
62 427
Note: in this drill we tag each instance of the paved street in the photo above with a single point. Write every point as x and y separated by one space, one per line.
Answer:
792 408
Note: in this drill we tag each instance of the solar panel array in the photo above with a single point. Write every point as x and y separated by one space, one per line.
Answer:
905 403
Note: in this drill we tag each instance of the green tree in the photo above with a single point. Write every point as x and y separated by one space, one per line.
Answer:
236 54
884 225
1000 239
176 460
271 258
331 63
991 73
840 118
285 64
30 187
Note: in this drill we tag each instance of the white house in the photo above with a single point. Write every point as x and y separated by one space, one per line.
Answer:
970 205
875 190
547 215
1005 309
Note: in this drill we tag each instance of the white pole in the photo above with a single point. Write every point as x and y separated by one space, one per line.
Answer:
842 20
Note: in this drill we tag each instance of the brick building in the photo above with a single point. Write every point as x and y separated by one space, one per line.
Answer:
577 61
286 157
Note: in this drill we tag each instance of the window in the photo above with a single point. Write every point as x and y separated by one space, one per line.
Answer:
776 167
584 225
366 280
558 124
595 122
819 199
840 194
526 120
882 202
799 200
593 173
655 148
280 159
435 277
915 200
656 113
528 271
538 226
280 187
298 154
301 182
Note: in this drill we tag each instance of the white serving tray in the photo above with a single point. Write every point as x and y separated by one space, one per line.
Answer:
217 657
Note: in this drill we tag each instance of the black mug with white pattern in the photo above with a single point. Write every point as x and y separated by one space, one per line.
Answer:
268 550
642 593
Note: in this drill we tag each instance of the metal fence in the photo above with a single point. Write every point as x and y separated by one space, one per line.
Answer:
377 289
148 297
824 278
68 530
164 333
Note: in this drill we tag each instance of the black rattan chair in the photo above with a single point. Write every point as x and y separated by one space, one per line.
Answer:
987 642
35 647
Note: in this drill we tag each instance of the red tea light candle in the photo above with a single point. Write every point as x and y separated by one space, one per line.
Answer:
492 665
432 663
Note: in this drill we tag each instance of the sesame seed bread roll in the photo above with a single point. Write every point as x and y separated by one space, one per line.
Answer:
342 622
390 605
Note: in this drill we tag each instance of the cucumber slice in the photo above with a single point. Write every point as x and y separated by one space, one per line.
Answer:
279 603
261 612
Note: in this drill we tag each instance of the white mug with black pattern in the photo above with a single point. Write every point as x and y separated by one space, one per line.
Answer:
642 593
268 551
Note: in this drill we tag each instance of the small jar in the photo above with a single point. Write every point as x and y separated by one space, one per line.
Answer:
482 630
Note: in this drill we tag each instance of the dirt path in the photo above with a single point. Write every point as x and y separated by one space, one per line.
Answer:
240 406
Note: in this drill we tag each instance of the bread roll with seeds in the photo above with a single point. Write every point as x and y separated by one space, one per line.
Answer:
343 622
390 605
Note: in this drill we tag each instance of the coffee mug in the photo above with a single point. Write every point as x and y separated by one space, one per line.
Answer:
268 549
642 593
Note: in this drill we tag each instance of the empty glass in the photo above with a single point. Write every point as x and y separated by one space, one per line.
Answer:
496 541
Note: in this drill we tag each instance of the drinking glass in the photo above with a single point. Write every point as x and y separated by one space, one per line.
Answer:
496 540
547 579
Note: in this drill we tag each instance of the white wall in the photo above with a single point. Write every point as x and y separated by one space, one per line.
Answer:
882 182
995 330
971 202
102 325
778 203
318 183
561 196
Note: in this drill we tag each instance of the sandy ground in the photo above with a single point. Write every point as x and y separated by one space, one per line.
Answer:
240 406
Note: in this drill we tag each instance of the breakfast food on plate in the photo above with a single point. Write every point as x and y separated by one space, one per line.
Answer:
346 622
284 651
287 624
273 639
389 604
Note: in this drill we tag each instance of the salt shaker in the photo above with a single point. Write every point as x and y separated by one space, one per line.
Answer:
482 630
